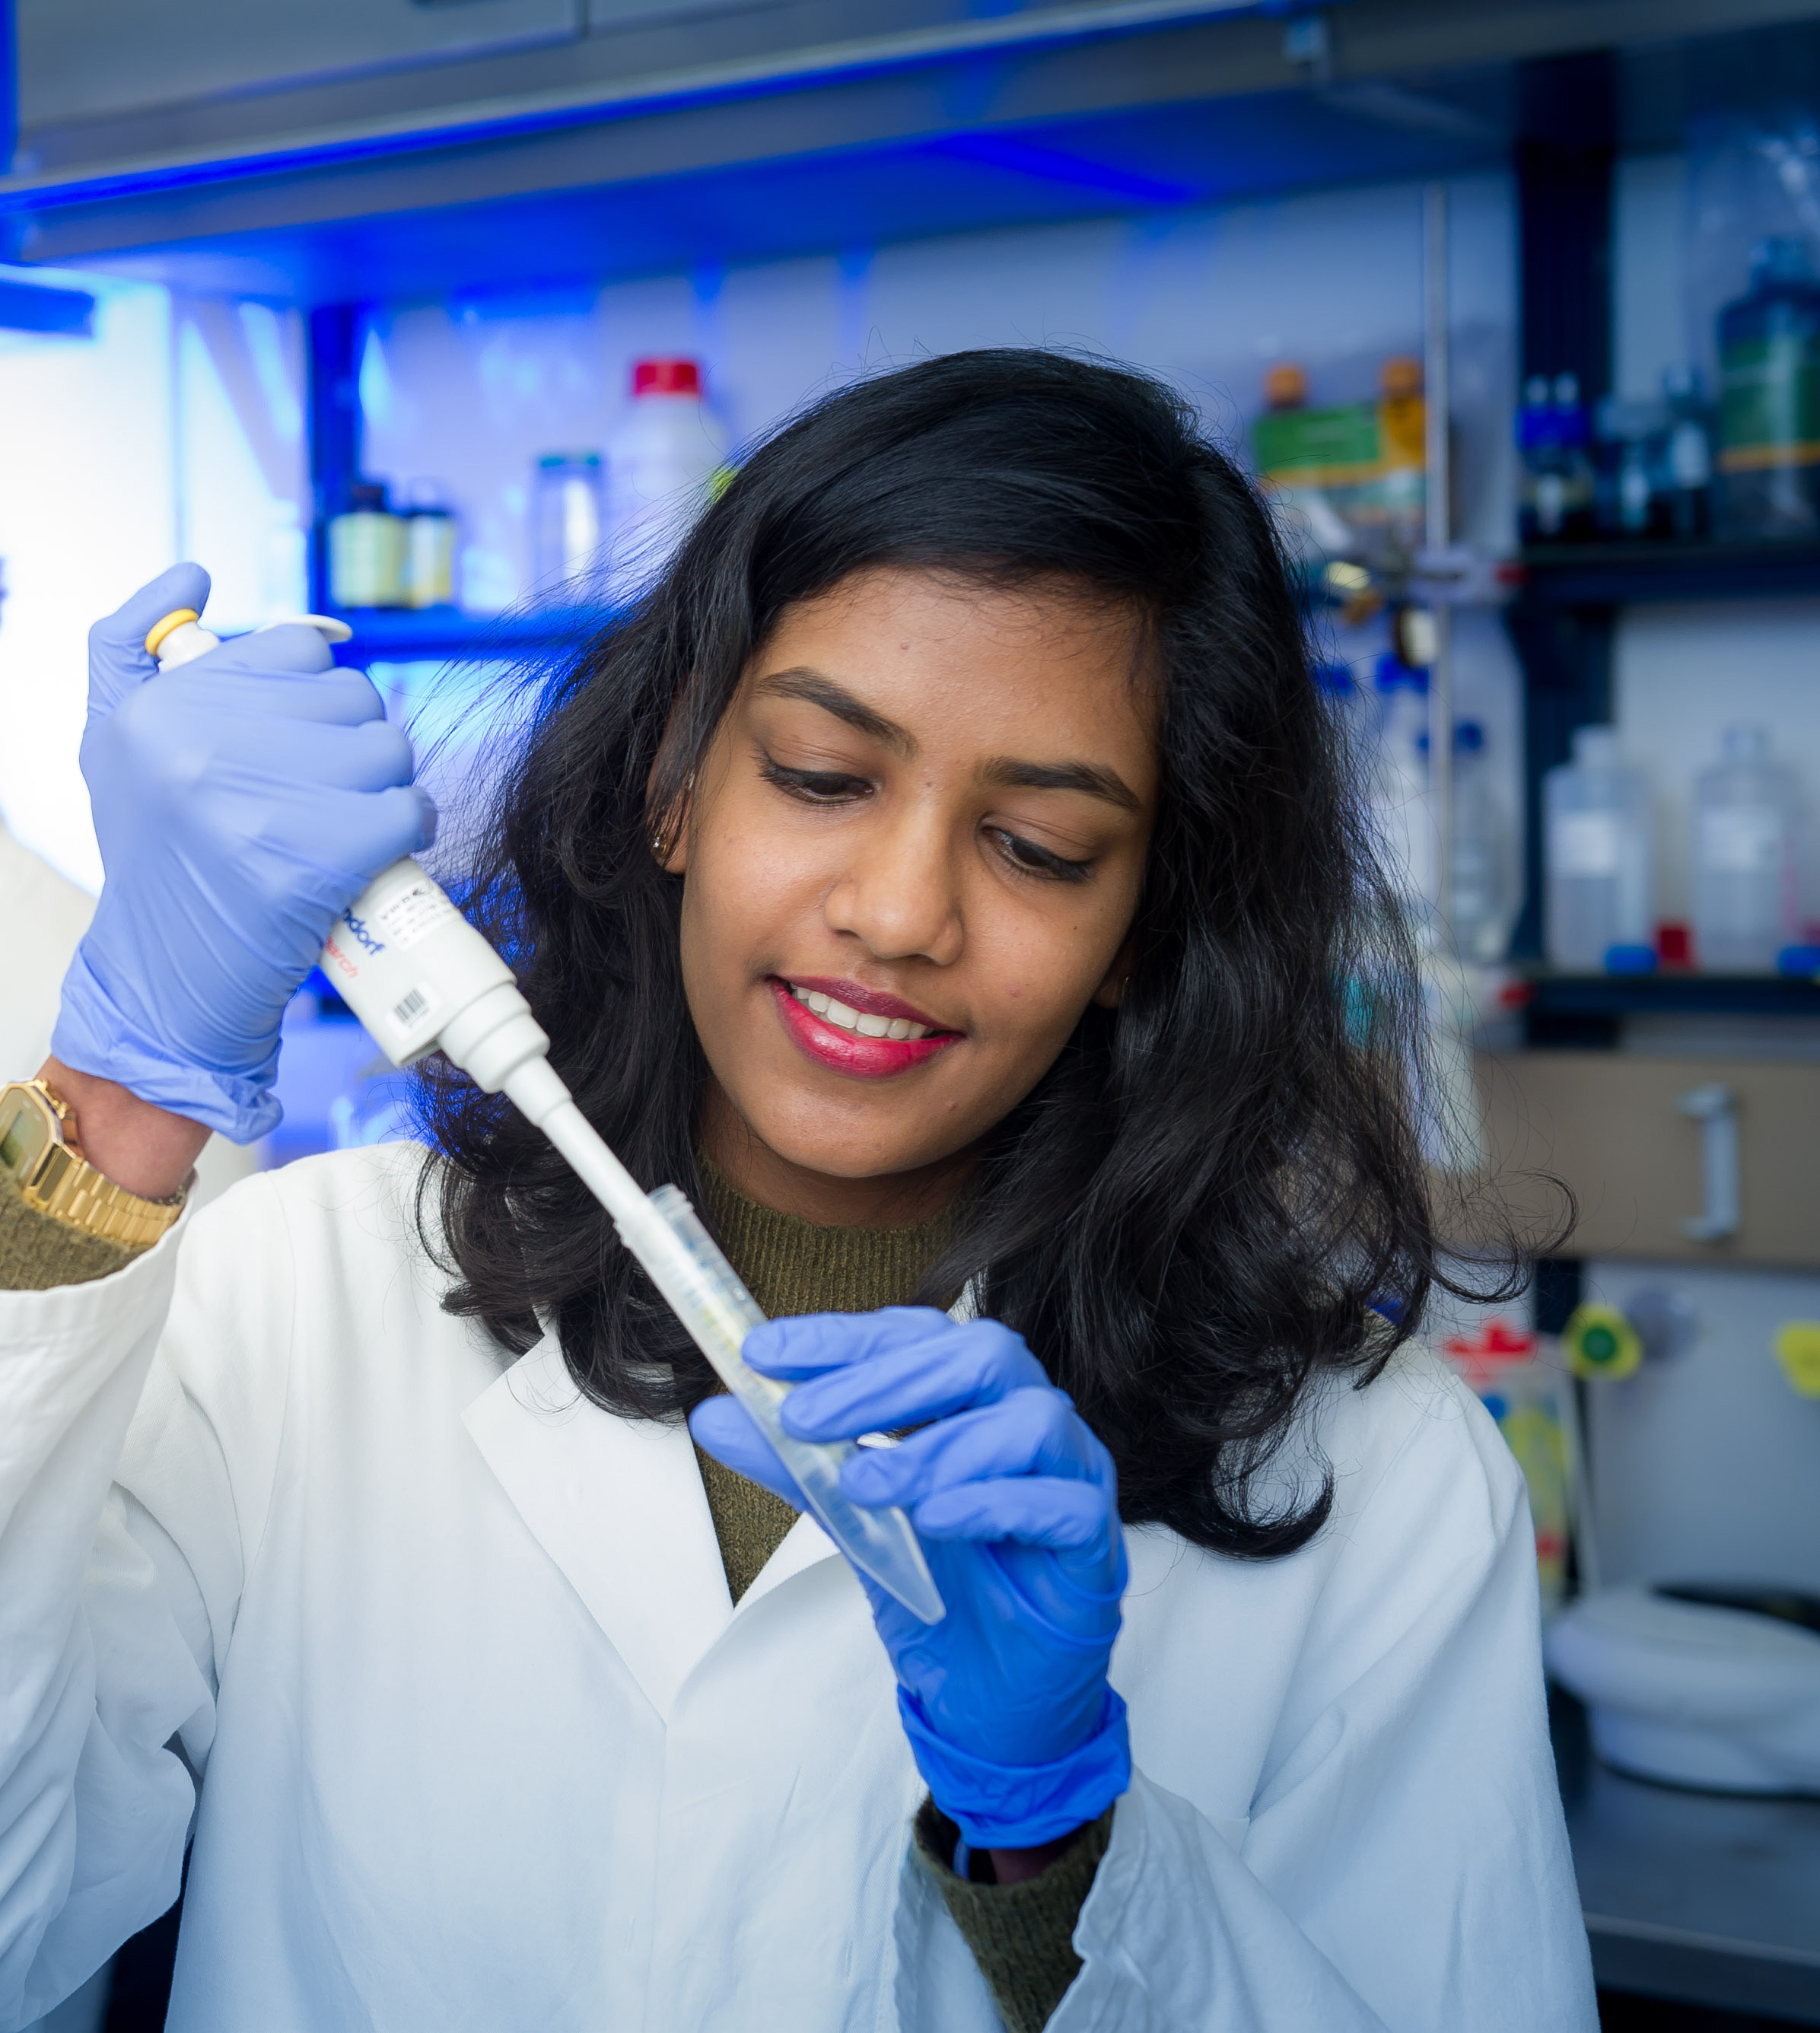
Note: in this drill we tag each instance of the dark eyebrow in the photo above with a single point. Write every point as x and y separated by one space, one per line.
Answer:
1091 778
816 690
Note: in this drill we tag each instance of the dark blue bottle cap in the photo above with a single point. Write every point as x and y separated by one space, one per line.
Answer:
1392 672
1629 960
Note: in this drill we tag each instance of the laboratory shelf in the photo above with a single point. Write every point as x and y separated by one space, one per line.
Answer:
779 202
1621 574
1026 115
1710 1898
1675 994
445 634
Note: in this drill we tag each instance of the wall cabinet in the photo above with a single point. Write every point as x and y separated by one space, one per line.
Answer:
82 59
1645 1145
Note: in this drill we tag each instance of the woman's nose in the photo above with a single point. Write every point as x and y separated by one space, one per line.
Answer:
900 892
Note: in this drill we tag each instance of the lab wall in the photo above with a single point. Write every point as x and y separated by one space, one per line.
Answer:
176 430
470 393
87 510
466 395
1702 1464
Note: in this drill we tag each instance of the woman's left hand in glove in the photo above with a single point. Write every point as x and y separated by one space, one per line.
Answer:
1006 1701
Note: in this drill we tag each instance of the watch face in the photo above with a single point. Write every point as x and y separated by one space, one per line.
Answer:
24 1131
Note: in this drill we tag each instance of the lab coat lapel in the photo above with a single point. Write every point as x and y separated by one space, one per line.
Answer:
618 1504
804 1545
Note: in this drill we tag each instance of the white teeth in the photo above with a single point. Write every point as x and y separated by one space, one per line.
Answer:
865 1025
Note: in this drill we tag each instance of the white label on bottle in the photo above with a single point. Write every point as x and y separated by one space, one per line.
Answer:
1586 843
413 914
1689 462
1740 840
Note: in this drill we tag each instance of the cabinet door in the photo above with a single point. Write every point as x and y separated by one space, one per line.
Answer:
1615 1127
81 58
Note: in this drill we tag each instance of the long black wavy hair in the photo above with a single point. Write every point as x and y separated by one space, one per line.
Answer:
1191 1215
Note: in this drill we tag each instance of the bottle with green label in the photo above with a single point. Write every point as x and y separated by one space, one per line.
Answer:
1768 481
1353 473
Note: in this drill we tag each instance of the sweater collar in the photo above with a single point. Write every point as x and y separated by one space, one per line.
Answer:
793 1266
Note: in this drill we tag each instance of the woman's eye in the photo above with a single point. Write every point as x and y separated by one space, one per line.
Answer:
813 786
1034 860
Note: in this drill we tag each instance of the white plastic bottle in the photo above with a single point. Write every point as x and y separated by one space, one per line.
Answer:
661 461
1402 809
1481 905
1746 822
1597 848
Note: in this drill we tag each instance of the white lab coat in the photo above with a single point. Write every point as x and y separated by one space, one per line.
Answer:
484 1745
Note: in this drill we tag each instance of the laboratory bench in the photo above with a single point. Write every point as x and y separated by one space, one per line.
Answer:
1707 1898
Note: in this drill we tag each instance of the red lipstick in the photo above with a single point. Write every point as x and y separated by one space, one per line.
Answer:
843 1051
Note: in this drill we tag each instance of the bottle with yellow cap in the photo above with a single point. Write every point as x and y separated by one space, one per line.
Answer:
1601 1344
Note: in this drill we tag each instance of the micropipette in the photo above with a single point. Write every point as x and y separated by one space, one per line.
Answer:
419 976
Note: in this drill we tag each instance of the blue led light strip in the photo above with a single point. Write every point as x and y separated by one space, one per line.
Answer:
510 120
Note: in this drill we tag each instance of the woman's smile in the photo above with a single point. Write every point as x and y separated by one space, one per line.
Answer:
857 1031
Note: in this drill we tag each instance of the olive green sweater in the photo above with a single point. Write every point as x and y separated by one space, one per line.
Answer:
1020 1935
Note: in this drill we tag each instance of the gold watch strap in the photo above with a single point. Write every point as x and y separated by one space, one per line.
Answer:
54 1177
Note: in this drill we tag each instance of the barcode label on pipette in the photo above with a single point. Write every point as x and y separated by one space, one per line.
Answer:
410 1007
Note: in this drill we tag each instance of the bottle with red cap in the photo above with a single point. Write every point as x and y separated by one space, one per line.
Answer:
662 463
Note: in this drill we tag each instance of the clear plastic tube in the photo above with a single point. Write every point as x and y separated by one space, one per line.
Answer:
719 1312
666 1235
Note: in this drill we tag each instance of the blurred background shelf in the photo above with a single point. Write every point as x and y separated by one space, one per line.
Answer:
1554 995
1621 574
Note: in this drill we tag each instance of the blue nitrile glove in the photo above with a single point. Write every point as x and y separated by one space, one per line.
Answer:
1006 1700
242 802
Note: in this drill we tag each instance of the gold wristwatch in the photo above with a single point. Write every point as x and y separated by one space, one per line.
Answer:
39 1153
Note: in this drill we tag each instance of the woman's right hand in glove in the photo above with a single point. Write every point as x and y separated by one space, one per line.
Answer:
242 802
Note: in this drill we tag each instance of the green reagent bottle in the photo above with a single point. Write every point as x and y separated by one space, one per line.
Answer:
1768 481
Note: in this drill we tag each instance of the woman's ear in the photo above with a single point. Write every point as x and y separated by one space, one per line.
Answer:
667 832
1110 992
669 838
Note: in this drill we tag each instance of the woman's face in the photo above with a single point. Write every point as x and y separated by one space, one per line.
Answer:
913 855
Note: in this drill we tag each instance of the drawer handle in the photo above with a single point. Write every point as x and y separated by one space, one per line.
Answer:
1715 1108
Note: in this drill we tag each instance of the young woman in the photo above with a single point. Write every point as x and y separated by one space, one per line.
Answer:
946 876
